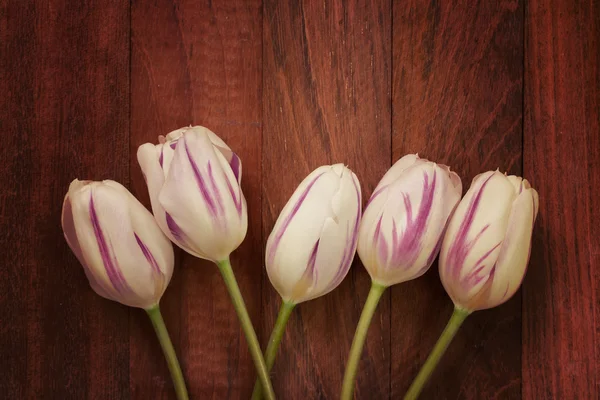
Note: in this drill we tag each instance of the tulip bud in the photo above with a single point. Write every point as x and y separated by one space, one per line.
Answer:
486 248
193 179
124 254
311 247
404 221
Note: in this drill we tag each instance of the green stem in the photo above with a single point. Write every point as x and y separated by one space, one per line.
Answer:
284 314
165 342
456 320
359 339
242 312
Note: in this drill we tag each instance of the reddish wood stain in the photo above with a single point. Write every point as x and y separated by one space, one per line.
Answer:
291 86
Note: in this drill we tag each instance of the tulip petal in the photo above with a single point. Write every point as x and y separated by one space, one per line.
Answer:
70 233
102 218
325 208
338 237
105 247
302 224
147 231
146 269
397 169
517 183
185 194
475 237
403 224
308 278
174 135
214 138
147 253
289 212
236 167
397 241
311 247
232 159
201 192
88 229
232 174
351 241
148 156
125 255
482 218
167 152
514 254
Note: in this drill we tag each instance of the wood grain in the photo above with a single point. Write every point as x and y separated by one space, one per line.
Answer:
561 302
64 79
199 63
457 100
477 85
326 100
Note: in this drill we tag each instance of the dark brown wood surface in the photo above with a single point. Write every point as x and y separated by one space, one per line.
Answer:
290 86
200 63
326 99
64 113
457 99
561 295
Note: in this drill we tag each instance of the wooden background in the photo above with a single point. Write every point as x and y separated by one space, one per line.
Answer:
292 85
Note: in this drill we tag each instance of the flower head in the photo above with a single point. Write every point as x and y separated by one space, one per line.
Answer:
194 181
125 256
311 247
404 221
486 248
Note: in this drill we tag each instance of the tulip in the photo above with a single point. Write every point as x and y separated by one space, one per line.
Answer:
400 235
486 249
312 245
402 227
484 253
124 254
194 182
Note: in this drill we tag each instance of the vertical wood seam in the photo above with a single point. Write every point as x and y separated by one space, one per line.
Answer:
523 88
391 94
263 271
130 123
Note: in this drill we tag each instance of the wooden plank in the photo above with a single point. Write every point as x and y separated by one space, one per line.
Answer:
326 100
457 100
200 63
64 114
561 311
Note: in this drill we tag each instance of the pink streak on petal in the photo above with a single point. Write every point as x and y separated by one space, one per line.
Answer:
382 245
110 263
215 190
407 250
237 199
235 166
375 194
506 291
68 225
351 239
487 254
460 248
147 253
312 261
288 219
201 183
